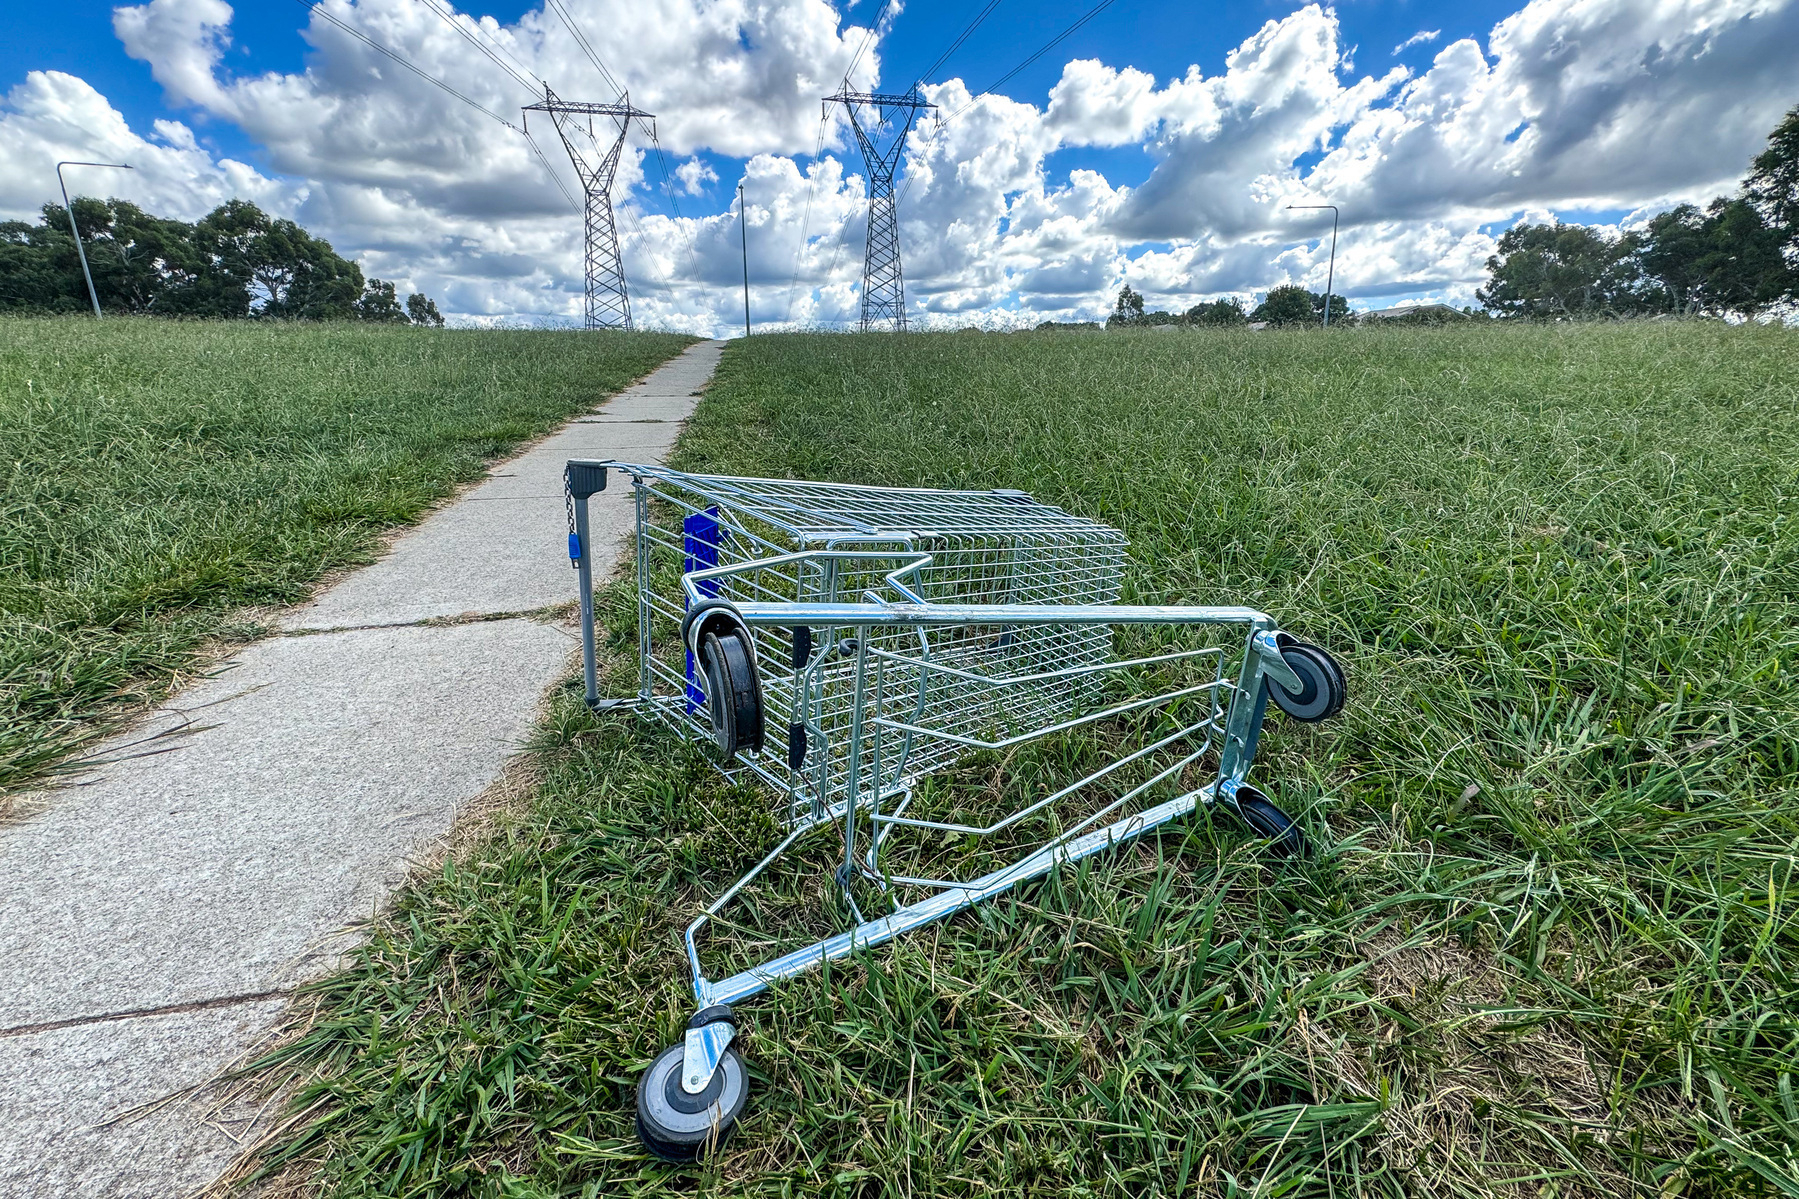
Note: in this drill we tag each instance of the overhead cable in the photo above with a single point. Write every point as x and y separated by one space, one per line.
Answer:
873 29
957 44
668 186
1044 49
587 46
1053 42
481 43
806 219
360 36
316 10
554 177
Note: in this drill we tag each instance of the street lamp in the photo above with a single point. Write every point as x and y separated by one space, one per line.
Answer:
1330 278
70 209
743 219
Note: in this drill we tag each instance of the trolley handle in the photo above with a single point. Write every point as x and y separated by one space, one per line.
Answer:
584 477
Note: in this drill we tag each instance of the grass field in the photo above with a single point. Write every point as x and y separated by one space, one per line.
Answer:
1546 946
160 477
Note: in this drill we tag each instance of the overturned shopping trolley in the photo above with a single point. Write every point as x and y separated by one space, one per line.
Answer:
850 646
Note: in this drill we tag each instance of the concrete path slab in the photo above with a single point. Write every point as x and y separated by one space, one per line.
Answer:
154 913
470 558
117 1109
280 804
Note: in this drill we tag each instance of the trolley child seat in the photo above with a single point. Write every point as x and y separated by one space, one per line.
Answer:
840 644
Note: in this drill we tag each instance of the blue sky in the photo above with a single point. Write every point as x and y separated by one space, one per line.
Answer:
1163 37
1048 213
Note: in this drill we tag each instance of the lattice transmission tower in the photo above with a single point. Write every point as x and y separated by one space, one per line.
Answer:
608 303
883 283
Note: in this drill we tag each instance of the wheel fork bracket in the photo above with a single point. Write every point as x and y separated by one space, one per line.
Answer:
702 1051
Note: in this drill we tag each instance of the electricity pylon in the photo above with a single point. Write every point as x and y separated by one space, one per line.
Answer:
608 303
883 284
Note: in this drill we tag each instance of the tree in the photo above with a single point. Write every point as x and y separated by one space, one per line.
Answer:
134 258
1725 261
237 261
422 310
1773 182
1557 270
379 303
291 273
1338 305
31 276
1228 311
1129 311
1289 304
1735 257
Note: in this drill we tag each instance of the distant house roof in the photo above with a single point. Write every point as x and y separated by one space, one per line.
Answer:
1414 310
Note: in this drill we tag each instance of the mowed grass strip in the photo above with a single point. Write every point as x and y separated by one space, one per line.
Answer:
1546 947
161 476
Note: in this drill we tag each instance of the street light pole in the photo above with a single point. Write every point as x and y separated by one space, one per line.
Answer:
70 209
1330 278
743 224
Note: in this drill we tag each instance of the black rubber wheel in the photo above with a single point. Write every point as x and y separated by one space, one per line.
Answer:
1322 689
678 1127
733 693
1258 811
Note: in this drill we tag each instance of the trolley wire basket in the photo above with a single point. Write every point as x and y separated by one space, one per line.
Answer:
847 646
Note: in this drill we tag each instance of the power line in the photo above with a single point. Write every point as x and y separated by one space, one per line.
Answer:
360 36
449 18
1053 42
806 220
586 46
312 7
957 44
554 177
1047 47
668 186
873 29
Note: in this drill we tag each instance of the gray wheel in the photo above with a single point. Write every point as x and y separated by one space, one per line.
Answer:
733 693
678 1127
1321 686
1259 813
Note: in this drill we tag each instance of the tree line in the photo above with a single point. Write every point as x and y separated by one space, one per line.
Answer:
236 262
1287 305
1737 257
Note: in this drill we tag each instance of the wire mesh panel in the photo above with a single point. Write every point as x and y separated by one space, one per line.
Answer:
933 672
984 548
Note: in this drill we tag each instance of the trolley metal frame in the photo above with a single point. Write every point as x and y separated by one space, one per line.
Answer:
894 670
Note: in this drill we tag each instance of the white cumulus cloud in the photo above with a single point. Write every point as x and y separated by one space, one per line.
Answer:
1617 105
1422 37
695 175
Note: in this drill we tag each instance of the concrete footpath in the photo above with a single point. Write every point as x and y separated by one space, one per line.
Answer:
155 912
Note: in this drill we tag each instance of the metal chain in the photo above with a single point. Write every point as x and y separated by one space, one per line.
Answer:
568 504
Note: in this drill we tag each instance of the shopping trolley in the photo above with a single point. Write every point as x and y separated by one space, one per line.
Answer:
847 647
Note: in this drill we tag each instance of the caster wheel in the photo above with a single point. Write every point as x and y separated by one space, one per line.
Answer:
733 693
1321 685
1259 813
678 1127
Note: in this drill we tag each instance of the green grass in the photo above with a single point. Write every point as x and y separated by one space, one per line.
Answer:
160 477
1547 946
